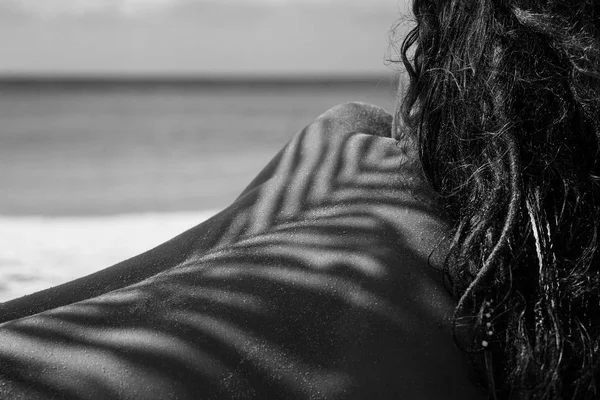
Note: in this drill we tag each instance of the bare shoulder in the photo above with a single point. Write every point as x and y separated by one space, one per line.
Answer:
358 117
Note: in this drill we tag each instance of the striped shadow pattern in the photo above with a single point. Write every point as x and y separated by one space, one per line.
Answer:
314 284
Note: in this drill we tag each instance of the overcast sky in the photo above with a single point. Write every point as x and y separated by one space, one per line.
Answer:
195 37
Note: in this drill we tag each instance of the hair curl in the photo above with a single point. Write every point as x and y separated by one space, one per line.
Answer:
504 103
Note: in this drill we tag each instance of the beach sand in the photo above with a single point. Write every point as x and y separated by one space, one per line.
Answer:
39 252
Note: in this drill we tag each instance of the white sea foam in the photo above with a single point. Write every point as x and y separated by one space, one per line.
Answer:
39 252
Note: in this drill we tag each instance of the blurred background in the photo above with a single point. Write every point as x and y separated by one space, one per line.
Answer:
126 122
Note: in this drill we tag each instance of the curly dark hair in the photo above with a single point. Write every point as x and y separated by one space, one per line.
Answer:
504 103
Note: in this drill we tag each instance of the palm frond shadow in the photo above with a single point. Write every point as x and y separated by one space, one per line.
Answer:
314 284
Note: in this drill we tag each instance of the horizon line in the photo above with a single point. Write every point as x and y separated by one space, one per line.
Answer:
310 79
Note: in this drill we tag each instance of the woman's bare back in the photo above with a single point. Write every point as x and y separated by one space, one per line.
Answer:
314 284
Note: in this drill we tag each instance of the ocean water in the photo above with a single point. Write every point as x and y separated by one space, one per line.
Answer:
91 176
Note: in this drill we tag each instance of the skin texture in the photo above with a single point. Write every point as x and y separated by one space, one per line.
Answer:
313 284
